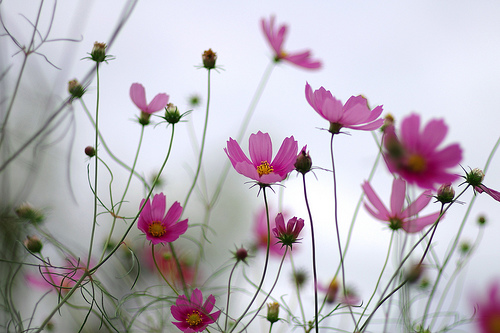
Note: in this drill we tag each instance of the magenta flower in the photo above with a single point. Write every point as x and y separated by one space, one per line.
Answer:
158 227
194 316
260 168
260 230
488 311
355 114
398 217
276 37
288 234
415 156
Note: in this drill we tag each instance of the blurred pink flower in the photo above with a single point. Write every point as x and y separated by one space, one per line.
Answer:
60 278
488 311
415 157
193 315
138 96
355 114
260 230
260 168
158 227
276 38
168 266
289 234
397 216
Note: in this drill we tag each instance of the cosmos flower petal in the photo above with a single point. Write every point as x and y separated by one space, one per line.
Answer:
138 96
398 195
174 213
235 153
260 147
158 103
433 134
374 200
420 203
420 223
158 207
197 297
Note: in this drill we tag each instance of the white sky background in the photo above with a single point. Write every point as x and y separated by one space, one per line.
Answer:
440 59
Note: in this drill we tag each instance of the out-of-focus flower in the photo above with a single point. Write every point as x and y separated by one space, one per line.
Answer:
241 254
193 315
287 235
90 151
138 96
415 155
75 89
475 178
61 279
261 235
354 114
158 226
168 267
276 38
273 312
398 217
303 163
33 244
299 277
260 168
481 220
209 58
28 212
488 311
332 291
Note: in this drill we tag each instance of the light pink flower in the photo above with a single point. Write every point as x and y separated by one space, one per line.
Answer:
276 38
194 315
260 168
138 96
488 311
355 114
414 155
289 234
398 217
260 230
158 227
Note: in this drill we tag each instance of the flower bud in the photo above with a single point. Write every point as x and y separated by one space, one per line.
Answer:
75 89
475 177
28 212
33 244
303 163
481 220
273 311
144 118
209 58
98 53
445 193
172 114
241 254
414 273
299 277
90 151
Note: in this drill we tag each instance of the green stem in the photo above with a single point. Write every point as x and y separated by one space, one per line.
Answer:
297 289
179 269
229 293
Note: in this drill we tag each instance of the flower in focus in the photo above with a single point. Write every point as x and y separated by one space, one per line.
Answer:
193 315
98 53
414 156
276 38
273 312
488 311
288 234
261 234
260 168
158 226
138 96
354 114
397 216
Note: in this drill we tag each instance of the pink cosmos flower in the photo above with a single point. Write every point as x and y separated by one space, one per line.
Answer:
138 96
168 266
276 37
194 316
492 193
415 157
288 234
158 227
488 311
354 114
261 235
398 217
260 168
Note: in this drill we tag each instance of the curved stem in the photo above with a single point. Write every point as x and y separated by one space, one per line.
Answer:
159 270
179 269
229 294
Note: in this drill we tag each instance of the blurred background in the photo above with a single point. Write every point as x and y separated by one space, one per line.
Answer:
439 59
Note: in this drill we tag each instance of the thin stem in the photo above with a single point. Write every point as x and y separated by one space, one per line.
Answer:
159 270
229 293
315 277
297 289
179 269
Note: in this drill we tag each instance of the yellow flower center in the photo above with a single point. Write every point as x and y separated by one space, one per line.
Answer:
157 229
416 163
264 168
194 318
494 324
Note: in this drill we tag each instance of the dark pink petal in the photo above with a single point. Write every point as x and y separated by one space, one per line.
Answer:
197 297
420 223
174 232
260 148
410 134
235 153
158 207
209 304
494 194
182 302
145 217
174 214
183 326
433 134
382 213
158 103
138 96
398 196
178 312
285 159
280 223
449 156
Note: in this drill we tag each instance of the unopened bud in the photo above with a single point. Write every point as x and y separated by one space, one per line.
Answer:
209 58
445 193
273 311
90 151
475 177
414 273
28 212
172 114
33 244
75 89
98 53
303 163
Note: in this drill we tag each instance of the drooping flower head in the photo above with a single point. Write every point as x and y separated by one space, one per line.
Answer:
276 37
193 315
414 155
138 96
488 311
289 234
354 114
158 226
397 217
260 230
262 168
